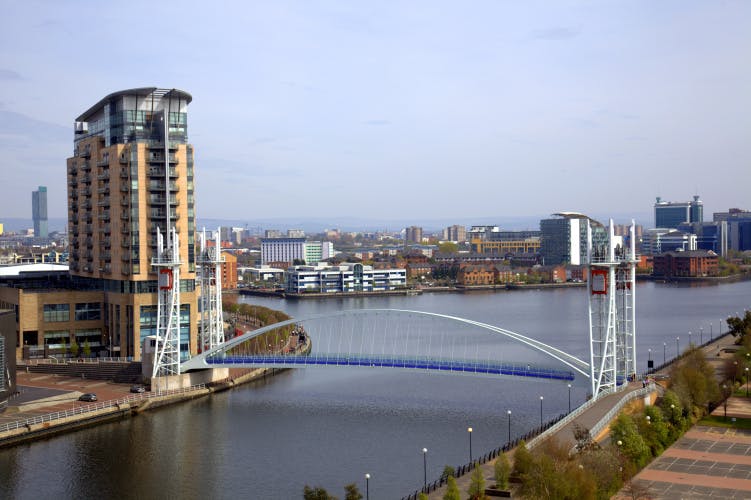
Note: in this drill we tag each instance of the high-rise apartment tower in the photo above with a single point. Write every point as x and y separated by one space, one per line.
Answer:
121 191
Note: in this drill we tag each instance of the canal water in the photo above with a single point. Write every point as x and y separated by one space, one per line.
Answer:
330 426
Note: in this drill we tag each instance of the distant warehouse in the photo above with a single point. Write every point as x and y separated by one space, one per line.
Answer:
345 277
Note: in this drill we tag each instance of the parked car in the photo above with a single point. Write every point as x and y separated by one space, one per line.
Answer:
89 397
137 389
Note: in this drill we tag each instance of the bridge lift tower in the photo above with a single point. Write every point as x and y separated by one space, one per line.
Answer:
211 326
167 264
612 310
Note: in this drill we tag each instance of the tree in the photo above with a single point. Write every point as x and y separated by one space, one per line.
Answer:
447 472
584 441
625 434
452 490
74 347
316 493
522 460
351 492
422 496
476 483
502 471
448 247
86 348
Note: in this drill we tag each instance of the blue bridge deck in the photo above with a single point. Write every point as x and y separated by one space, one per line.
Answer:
416 363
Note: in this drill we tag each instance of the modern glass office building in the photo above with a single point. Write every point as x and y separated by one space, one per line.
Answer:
669 215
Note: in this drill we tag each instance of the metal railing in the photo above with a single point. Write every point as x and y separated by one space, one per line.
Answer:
93 407
611 415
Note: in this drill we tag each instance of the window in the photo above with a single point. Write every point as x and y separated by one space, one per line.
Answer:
56 312
88 311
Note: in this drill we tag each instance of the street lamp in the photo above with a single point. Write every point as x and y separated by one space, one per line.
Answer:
701 335
677 347
469 431
649 420
664 352
540 411
425 470
735 372
367 486
747 381
689 338
508 412
710 331
725 402
649 360
569 398
672 412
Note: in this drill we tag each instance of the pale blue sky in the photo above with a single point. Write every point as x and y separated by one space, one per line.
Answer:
424 110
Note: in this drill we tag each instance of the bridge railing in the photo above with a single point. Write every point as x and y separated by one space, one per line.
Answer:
94 407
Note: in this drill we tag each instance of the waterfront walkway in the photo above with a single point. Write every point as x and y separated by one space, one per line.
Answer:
595 415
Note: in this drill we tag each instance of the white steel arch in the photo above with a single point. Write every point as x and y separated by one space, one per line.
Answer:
581 367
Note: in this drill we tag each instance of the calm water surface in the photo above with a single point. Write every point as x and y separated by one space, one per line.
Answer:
329 426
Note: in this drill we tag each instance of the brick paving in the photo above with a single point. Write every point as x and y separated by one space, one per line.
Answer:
707 462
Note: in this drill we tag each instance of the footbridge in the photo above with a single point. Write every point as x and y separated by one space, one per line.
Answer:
395 339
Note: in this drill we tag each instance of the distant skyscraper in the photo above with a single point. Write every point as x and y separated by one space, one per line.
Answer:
455 233
39 212
413 234
670 214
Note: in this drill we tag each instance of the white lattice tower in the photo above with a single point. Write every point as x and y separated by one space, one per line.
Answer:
167 350
612 313
211 326
167 264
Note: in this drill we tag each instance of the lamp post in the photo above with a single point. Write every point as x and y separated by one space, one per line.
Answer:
649 420
664 352
367 486
677 347
508 412
725 401
425 470
689 338
735 372
672 413
569 398
710 331
649 360
469 431
701 335
540 411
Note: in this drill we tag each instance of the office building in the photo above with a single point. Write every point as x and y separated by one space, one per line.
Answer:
286 250
686 264
39 212
413 234
317 251
709 235
669 215
660 240
343 278
738 228
7 355
491 240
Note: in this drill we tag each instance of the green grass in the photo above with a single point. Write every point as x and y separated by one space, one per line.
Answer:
719 421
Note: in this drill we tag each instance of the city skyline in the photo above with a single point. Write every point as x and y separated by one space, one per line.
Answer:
518 110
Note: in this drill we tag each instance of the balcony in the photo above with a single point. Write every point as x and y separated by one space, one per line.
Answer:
124 188
104 175
125 243
160 200
124 230
125 269
86 205
86 153
159 172
123 159
104 203
104 216
72 170
107 256
123 173
125 257
86 191
104 162
73 183
124 216
159 186
105 228
86 179
86 166
104 190
159 158
124 201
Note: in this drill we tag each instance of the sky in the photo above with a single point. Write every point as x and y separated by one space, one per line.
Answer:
398 110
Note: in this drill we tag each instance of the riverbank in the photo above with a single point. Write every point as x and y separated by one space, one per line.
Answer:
411 291
48 404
